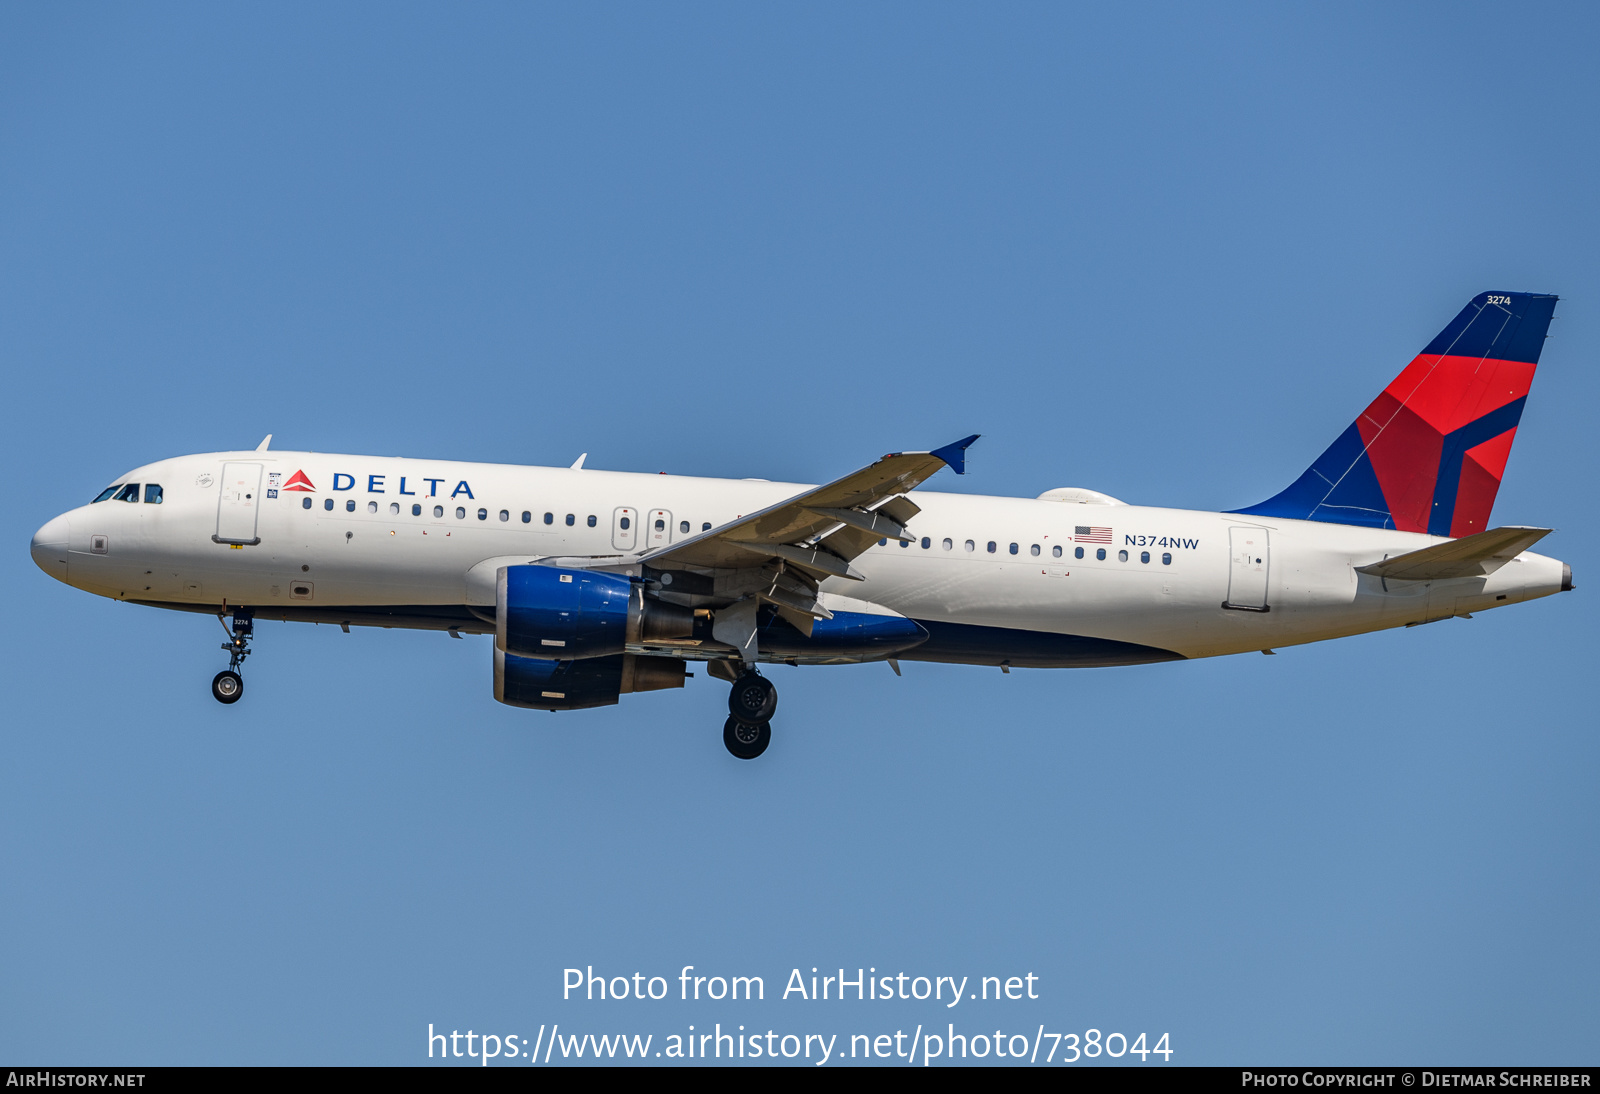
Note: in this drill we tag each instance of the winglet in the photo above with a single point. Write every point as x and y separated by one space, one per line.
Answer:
955 455
265 441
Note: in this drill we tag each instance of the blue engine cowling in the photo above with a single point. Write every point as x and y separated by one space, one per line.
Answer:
574 685
545 611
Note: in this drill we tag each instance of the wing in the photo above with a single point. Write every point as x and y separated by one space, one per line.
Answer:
782 553
824 528
1469 556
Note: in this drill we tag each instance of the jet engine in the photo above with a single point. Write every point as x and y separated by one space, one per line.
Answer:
573 685
575 615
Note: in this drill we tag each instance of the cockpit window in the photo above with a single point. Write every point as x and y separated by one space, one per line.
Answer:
152 493
128 493
107 492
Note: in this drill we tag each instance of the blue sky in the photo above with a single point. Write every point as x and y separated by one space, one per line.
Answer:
1166 253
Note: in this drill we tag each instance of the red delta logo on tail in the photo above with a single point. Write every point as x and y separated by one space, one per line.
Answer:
1429 452
298 481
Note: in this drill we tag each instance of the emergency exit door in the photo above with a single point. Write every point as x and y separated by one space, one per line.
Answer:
239 504
658 529
624 528
1249 563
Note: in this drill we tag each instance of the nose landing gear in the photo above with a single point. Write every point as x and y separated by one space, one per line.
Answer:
227 686
751 704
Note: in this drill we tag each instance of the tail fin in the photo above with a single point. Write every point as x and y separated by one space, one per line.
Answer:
1429 453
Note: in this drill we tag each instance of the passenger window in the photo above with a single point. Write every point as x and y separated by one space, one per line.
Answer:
926 543
971 546
883 542
461 513
1056 551
438 510
505 514
527 517
1122 556
591 520
661 525
305 503
1166 558
327 503
416 510
1077 552
706 527
948 544
372 507
483 514
1034 550
1100 553
625 523
394 509
905 543
549 518
128 493
107 492
683 526
571 520
1013 548
350 506
991 546
152 494
1144 556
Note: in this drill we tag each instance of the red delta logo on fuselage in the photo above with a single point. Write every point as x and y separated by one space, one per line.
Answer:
298 481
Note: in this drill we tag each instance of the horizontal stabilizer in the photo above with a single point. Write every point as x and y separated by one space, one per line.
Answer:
1469 556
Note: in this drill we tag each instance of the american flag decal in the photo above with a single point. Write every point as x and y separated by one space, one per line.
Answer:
1082 534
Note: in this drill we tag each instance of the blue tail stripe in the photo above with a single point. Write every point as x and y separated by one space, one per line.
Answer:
1486 428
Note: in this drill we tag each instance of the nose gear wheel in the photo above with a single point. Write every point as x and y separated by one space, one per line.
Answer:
227 686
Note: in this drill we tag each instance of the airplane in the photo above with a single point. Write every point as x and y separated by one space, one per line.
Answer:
597 584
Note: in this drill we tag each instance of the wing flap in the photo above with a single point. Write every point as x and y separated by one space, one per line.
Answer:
1469 556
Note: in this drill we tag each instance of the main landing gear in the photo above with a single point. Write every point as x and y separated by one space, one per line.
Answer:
751 704
227 686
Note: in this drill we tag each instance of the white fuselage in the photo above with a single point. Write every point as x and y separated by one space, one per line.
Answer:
408 533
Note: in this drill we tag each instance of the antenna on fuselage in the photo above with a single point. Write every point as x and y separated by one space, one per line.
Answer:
577 464
265 441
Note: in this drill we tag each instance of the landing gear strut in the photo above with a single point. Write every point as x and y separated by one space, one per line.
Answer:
227 686
751 704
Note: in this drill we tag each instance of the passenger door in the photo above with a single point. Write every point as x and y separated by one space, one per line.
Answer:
1248 565
239 504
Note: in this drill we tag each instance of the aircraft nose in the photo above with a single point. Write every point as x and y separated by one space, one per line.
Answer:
50 548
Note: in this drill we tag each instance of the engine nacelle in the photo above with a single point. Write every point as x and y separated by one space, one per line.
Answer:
550 612
573 685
